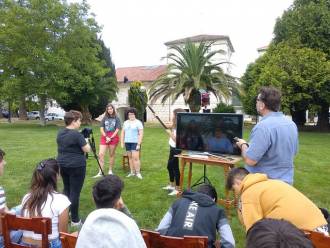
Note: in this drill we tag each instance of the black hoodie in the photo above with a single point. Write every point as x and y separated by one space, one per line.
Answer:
195 214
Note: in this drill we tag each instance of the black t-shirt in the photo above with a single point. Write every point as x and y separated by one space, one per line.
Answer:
110 124
69 148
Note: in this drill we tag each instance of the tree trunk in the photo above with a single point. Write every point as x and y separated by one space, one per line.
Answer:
9 111
194 101
86 116
323 117
299 117
42 110
22 108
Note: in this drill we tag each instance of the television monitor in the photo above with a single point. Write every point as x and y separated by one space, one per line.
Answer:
209 132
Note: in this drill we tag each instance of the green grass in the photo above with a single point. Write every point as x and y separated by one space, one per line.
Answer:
27 144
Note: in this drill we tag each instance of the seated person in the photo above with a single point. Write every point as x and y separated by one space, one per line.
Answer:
196 214
273 233
14 235
43 200
219 143
261 197
107 226
192 138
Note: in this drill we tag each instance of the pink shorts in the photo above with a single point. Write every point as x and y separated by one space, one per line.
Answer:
114 141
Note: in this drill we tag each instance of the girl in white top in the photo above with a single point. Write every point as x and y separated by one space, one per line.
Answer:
44 201
173 162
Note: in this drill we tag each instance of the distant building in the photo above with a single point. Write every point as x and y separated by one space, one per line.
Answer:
148 74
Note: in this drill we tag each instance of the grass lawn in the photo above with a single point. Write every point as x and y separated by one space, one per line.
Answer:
28 143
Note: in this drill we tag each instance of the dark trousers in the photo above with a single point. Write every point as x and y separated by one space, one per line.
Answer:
173 166
73 180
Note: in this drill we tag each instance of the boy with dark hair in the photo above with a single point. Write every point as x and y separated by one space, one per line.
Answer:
107 226
261 197
196 214
272 233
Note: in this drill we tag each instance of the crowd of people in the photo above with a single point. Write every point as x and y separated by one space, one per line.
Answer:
271 210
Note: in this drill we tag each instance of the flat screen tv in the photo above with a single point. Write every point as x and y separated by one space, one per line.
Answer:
209 132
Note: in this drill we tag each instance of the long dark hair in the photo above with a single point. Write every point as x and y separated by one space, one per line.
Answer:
114 114
44 182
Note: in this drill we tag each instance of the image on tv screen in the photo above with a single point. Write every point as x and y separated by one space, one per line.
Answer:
209 132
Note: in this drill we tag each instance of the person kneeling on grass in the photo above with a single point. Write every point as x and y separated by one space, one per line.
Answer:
261 197
196 214
15 236
273 233
109 225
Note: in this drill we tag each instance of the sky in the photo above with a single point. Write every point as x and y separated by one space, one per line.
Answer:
136 30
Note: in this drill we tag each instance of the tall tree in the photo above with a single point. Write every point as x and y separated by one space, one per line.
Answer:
191 69
308 21
137 98
301 73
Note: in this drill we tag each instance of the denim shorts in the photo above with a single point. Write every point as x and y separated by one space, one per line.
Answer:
55 243
15 237
130 146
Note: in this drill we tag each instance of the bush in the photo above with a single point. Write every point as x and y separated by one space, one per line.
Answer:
223 108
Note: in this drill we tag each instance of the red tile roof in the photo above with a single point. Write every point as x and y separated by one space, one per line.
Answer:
200 38
140 73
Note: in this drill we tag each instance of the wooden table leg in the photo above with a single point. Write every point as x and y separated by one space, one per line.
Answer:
182 164
189 175
227 193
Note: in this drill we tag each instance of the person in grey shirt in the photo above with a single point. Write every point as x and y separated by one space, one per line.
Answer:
273 141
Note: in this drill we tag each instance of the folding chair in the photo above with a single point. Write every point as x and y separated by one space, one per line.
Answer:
38 225
68 240
155 240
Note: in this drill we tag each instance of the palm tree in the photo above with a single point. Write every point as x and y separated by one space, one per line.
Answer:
190 70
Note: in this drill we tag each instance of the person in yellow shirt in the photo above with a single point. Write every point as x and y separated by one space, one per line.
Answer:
261 197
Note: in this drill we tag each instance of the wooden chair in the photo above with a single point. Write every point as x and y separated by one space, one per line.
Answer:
319 240
125 160
68 240
155 240
38 225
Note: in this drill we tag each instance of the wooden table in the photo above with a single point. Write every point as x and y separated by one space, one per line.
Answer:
227 163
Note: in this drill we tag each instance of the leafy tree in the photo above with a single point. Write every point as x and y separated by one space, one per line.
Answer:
137 98
307 22
223 108
191 69
301 73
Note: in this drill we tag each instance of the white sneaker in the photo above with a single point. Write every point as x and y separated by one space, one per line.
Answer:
169 187
139 176
76 224
110 172
130 174
174 192
98 175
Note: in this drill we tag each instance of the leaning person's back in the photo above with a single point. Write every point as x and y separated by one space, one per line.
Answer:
278 200
108 227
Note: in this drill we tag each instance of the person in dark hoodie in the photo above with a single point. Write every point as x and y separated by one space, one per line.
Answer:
196 214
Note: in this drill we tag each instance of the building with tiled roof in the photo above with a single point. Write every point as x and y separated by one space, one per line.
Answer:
139 73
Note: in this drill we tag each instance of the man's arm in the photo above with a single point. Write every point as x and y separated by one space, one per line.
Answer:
243 145
226 235
165 223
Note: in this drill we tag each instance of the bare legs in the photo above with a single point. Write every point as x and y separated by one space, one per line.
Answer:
134 161
112 151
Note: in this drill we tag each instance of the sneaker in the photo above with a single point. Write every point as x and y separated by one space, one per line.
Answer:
174 192
76 224
98 175
110 172
139 176
130 174
169 187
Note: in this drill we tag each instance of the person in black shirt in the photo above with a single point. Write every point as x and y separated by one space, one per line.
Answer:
71 147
